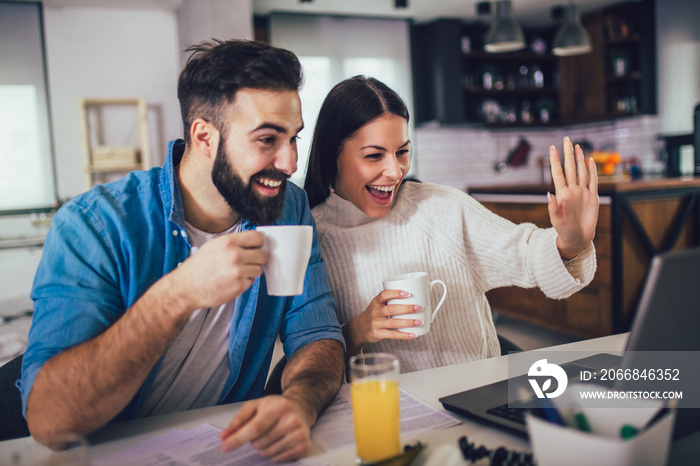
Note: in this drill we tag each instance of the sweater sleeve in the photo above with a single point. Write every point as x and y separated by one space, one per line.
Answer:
505 254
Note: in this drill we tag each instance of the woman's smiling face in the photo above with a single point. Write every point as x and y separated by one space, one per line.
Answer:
373 163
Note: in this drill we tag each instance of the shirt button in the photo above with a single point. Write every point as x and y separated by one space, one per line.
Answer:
183 233
174 232
179 264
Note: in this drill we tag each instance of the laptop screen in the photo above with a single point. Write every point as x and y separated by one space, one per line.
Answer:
668 313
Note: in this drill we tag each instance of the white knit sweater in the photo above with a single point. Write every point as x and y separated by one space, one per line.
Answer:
449 235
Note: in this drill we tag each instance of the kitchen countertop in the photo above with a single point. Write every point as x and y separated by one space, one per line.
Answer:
605 186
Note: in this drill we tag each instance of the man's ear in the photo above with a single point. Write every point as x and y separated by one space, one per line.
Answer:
204 137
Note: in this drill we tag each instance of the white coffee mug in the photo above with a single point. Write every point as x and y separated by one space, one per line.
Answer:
419 287
289 247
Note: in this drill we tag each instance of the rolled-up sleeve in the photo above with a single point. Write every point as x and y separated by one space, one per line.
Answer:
75 293
311 316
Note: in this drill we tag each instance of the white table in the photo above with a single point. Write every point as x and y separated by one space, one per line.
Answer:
427 385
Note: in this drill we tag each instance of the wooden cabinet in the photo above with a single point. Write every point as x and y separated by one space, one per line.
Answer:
456 82
582 77
585 314
637 220
618 78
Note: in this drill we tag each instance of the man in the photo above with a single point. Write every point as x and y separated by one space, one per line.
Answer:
149 297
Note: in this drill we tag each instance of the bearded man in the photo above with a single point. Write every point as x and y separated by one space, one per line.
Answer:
149 297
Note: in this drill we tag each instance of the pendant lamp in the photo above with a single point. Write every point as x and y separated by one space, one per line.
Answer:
571 38
504 34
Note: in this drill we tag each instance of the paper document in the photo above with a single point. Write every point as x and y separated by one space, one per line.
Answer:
334 429
196 447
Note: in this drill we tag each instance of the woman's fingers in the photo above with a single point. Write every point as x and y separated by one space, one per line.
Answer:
398 309
581 166
593 173
557 172
386 295
569 163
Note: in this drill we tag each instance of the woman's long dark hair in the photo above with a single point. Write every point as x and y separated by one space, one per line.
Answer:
349 106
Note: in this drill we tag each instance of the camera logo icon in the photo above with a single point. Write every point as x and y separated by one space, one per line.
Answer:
541 369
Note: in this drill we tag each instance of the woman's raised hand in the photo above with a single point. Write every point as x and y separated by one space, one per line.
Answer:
573 209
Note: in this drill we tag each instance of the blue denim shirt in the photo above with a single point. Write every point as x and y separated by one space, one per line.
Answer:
107 246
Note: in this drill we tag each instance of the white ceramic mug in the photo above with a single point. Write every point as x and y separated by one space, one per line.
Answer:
419 287
290 249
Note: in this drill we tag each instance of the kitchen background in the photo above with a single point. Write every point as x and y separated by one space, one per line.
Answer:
135 48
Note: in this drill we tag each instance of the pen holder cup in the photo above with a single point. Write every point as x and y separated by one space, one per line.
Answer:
554 445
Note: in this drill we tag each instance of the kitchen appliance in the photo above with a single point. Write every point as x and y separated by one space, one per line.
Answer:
682 151
674 146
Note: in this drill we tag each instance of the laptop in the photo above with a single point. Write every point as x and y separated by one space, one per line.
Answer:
667 319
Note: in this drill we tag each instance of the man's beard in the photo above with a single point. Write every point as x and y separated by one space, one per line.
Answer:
241 197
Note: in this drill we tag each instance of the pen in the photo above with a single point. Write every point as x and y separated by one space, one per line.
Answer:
549 412
580 419
659 414
628 431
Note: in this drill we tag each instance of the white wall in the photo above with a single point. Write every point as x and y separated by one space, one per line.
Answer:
201 20
678 63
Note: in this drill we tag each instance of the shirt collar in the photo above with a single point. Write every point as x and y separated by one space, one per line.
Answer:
170 189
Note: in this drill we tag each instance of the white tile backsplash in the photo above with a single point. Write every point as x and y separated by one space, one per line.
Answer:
465 156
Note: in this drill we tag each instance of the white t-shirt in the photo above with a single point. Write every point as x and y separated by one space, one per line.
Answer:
195 366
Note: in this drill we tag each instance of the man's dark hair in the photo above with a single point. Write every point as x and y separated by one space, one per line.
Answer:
216 70
349 106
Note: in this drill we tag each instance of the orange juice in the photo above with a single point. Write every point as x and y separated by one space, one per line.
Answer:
375 408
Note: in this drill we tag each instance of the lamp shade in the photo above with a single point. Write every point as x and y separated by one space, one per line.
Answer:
571 38
504 34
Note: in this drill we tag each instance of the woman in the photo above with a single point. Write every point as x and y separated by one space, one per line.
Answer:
372 225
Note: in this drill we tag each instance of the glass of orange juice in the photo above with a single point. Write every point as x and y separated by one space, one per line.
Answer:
375 406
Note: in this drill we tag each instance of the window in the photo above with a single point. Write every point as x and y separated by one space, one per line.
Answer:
27 180
331 49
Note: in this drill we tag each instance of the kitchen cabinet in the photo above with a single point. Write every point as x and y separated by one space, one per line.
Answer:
583 78
456 82
438 76
637 220
618 78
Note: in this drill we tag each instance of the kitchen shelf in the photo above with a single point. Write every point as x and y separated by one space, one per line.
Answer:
632 39
517 91
613 78
102 159
630 59
510 57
